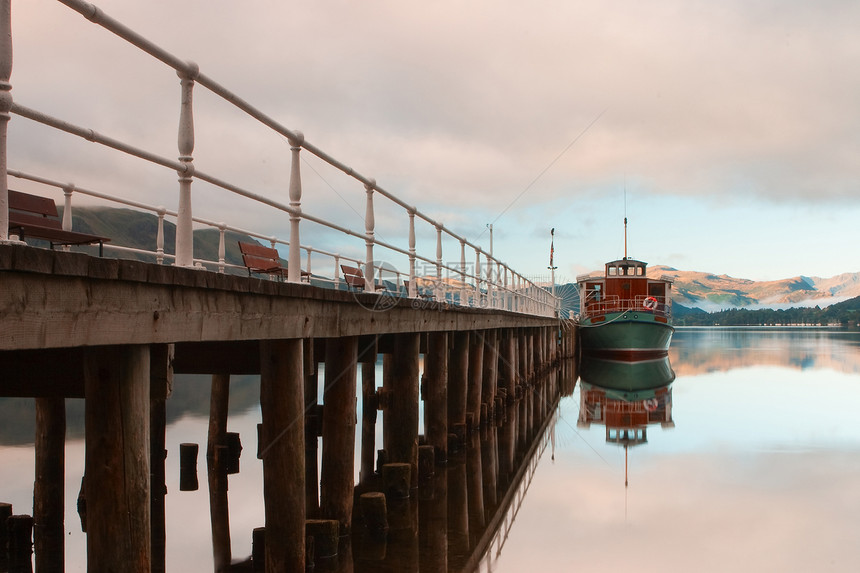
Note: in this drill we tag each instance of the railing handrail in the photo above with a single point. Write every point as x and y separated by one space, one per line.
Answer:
493 274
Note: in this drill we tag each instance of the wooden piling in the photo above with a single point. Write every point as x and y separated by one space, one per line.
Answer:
397 479
458 374
188 467
490 372
507 368
400 424
436 394
48 494
258 549
219 511
312 424
160 387
367 358
282 404
476 378
20 544
326 534
5 514
219 403
338 444
117 457
374 513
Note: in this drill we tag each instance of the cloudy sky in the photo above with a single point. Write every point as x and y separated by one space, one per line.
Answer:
732 128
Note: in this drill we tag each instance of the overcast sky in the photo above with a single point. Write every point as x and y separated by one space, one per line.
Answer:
733 126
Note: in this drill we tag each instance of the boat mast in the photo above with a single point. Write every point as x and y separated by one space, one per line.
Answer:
625 218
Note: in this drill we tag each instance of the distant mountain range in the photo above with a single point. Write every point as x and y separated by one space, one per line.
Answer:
713 292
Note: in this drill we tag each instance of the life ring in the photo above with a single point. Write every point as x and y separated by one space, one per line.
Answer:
650 404
650 303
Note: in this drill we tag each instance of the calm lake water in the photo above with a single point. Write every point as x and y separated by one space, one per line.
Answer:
759 469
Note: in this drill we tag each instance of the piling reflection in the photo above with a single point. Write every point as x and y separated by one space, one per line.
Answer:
459 515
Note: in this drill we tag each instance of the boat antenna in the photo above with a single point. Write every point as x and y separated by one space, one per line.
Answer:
625 218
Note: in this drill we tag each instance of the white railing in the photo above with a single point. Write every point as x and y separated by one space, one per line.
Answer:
491 283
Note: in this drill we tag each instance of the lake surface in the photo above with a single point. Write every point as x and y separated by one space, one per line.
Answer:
761 471
756 467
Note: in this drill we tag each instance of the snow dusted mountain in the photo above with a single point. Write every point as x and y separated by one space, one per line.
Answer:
712 292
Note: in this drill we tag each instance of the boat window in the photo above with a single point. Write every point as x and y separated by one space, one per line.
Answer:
640 271
612 271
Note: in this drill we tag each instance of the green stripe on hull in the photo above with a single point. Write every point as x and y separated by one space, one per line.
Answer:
626 333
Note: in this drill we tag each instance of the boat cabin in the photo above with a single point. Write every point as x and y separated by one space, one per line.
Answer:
624 286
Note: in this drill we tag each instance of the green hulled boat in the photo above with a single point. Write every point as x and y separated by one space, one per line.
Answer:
625 313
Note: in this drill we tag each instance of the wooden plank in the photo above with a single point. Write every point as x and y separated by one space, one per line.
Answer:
19 201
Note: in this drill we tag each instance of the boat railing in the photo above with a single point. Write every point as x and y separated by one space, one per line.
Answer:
657 305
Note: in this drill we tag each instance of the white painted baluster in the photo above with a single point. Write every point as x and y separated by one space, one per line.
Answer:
222 248
5 106
413 288
490 281
308 269
159 237
294 263
463 295
337 272
67 210
369 224
67 206
478 301
184 230
439 262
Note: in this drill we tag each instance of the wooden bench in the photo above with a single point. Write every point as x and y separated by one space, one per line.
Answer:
354 277
31 216
264 260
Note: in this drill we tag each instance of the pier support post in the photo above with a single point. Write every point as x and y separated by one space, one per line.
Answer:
475 380
436 394
216 471
338 445
48 495
367 357
458 372
312 425
117 475
401 416
507 364
283 454
160 386
490 372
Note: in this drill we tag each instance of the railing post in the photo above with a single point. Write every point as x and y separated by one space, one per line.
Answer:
490 282
477 277
159 238
222 248
67 206
308 269
67 210
337 272
294 264
5 107
413 288
463 271
184 230
369 224
438 262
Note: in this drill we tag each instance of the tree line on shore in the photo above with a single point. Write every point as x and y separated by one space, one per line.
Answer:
846 314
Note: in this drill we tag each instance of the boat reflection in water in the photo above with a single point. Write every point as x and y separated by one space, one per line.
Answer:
626 397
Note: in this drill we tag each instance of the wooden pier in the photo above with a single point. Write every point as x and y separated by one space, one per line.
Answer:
114 332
